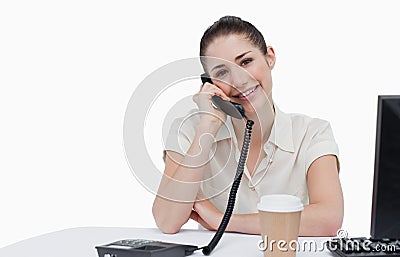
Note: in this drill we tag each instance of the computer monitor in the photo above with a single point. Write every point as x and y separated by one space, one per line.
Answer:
385 218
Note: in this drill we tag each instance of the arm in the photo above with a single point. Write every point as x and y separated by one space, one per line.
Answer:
181 182
322 217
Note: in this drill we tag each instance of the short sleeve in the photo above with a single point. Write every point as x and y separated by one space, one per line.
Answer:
180 135
322 142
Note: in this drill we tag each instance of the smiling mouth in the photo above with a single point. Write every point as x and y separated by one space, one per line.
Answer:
247 94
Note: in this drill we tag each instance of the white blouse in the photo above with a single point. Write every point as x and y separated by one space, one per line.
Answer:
295 141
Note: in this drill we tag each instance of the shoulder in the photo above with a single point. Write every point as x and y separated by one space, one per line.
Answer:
313 138
186 124
310 134
304 125
181 132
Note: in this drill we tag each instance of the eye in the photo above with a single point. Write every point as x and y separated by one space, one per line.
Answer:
246 61
221 73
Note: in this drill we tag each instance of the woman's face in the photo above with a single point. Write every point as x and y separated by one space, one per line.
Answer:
241 71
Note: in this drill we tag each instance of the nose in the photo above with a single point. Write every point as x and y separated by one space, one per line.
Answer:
240 78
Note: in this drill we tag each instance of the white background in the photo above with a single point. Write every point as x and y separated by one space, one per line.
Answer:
68 69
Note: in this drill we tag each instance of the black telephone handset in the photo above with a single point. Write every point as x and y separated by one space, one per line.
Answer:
232 109
149 248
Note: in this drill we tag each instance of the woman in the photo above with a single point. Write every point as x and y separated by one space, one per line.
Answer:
289 153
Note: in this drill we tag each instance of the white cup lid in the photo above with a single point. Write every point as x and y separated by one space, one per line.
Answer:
280 203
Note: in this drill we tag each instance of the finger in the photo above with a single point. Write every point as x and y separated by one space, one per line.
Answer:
221 94
196 207
207 85
217 91
194 216
195 97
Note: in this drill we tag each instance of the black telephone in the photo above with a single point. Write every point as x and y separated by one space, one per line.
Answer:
232 109
150 248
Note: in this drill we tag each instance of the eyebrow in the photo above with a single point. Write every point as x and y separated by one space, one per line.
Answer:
236 59
241 55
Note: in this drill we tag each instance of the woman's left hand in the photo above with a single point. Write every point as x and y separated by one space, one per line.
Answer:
206 214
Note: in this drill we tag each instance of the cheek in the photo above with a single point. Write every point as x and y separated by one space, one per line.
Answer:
260 72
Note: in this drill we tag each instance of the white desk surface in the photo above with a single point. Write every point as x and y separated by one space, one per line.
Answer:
80 242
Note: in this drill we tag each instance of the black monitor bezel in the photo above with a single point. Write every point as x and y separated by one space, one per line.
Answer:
376 231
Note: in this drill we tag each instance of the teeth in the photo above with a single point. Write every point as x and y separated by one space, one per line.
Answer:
248 92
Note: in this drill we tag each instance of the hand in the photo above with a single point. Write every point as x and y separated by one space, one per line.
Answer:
203 101
206 214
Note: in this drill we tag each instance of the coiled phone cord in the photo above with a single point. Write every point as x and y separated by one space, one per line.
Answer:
232 195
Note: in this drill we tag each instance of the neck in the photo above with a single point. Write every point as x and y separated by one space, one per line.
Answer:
263 122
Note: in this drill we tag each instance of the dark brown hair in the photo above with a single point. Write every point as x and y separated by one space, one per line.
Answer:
232 25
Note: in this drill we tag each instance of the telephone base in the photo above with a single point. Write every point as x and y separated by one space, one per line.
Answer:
144 248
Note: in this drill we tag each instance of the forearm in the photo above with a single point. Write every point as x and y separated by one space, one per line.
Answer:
245 223
316 220
177 192
320 219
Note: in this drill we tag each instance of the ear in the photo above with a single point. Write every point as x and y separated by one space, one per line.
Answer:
270 57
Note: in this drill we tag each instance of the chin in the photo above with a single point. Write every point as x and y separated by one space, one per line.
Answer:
257 105
253 107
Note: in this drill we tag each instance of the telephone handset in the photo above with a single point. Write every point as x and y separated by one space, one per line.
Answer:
144 247
232 109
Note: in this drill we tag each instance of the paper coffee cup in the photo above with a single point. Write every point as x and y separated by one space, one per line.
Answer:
279 222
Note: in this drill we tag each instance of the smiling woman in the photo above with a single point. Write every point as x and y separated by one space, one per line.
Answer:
289 153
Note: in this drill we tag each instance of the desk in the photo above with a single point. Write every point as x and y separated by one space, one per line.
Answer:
80 242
